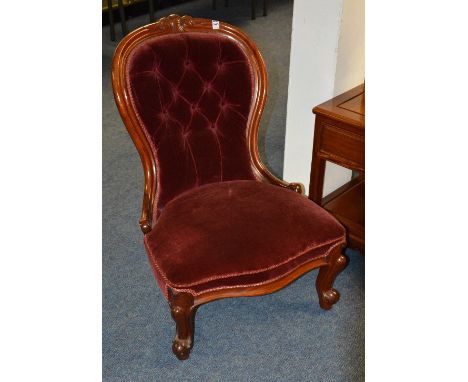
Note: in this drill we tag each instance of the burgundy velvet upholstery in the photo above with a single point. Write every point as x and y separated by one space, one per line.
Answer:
215 225
237 233
192 93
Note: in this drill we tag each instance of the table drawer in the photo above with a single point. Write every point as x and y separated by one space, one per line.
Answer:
342 146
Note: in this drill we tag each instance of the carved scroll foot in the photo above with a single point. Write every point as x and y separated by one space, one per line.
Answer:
182 311
326 277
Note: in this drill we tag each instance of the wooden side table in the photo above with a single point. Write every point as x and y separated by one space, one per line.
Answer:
339 138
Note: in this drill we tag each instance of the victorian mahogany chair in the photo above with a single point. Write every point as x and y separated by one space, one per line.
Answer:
216 222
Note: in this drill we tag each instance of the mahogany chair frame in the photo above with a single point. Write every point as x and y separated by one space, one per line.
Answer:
183 305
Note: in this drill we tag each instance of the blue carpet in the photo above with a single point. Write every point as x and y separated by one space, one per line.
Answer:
280 337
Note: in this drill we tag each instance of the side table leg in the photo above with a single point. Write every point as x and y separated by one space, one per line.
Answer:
317 175
317 171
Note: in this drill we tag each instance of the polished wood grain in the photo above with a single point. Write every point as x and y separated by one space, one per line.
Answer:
339 109
184 303
339 137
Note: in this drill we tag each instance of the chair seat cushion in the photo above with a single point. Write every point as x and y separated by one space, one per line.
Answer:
237 233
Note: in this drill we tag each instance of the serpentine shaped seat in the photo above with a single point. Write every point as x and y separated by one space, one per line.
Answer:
216 222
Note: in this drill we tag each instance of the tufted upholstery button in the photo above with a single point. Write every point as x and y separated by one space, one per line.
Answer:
164 115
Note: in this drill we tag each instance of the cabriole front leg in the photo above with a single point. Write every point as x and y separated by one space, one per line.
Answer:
336 262
183 312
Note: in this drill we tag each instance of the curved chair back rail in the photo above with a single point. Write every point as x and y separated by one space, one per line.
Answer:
191 98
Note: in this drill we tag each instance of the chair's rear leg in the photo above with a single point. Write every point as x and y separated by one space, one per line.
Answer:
327 275
183 312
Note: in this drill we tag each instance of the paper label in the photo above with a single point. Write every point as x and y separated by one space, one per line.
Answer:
215 24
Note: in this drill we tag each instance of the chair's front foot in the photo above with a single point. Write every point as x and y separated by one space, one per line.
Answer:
327 274
328 298
181 348
182 311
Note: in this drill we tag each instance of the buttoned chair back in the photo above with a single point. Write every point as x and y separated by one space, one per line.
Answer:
191 97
